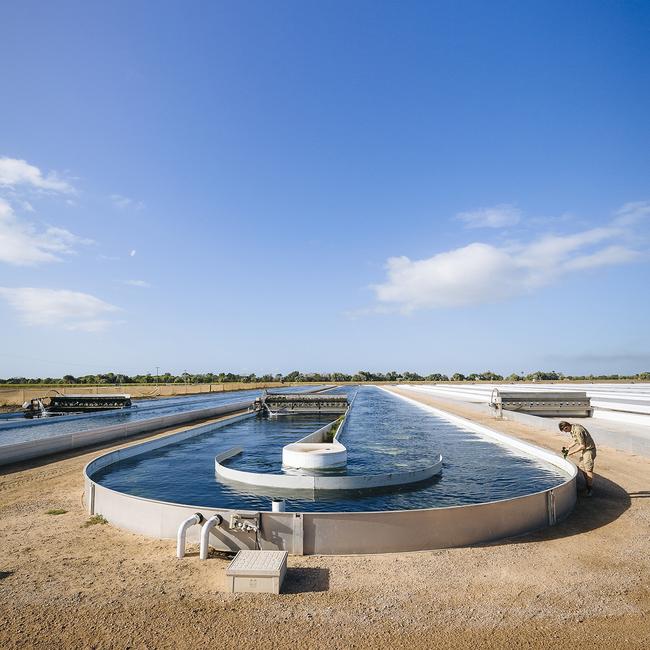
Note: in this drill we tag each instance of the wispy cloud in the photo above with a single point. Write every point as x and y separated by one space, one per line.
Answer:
633 213
610 256
123 202
132 253
60 308
499 216
143 284
15 172
23 244
482 272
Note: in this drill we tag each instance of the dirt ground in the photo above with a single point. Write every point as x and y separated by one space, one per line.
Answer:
582 584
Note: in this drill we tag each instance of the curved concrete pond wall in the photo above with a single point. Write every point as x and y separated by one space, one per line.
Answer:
334 533
316 483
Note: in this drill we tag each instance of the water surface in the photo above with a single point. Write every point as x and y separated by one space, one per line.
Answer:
14 430
383 433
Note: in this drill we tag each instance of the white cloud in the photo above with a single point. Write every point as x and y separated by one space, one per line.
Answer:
467 275
22 244
122 202
6 211
545 256
70 310
482 272
632 213
499 216
132 253
14 172
138 283
611 255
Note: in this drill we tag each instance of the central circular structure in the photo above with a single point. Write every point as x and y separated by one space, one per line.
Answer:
320 450
314 455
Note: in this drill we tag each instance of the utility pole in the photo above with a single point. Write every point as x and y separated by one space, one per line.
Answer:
157 373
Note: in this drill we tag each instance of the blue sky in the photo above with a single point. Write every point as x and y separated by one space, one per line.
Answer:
258 187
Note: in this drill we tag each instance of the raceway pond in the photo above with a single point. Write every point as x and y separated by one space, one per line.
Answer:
383 433
20 429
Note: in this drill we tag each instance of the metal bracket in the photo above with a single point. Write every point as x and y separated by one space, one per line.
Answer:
297 534
550 507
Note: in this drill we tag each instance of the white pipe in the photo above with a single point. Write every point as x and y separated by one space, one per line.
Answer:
277 505
196 518
205 534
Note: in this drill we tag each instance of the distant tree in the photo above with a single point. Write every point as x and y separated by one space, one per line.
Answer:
488 375
315 377
541 375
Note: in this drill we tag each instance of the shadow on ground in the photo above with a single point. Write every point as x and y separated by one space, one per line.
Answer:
608 503
300 580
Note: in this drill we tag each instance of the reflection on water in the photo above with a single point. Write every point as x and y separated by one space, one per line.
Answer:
383 433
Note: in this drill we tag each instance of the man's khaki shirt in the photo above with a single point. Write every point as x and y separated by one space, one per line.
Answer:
581 436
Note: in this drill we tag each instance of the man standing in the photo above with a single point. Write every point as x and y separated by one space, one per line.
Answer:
583 443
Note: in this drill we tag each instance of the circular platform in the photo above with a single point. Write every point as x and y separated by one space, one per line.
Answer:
314 455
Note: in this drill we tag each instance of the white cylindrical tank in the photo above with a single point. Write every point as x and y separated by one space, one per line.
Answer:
314 455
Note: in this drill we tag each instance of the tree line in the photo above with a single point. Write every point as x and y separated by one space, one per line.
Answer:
297 376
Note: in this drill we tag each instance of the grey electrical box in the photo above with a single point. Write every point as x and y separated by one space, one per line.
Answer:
257 572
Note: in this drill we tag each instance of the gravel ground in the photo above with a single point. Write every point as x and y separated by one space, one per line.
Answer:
582 584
